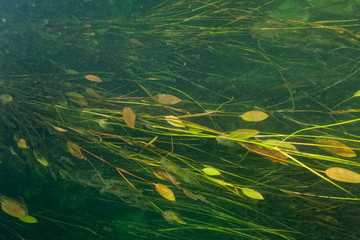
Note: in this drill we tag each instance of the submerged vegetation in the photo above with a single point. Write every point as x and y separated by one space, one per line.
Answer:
214 119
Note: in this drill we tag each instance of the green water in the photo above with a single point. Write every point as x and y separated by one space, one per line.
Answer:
295 60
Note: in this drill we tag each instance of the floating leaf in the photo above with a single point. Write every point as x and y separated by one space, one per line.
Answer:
75 150
336 147
13 207
6 98
22 144
211 171
174 121
28 219
93 78
251 193
129 117
254 116
92 93
167 99
165 192
243 133
40 158
343 175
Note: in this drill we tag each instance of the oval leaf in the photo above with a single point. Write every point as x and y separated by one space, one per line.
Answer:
343 175
129 117
211 171
22 144
165 192
13 207
254 116
243 133
167 99
93 78
336 147
251 193
28 219
6 98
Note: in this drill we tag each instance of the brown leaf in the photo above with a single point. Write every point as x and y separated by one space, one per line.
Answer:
167 99
129 117
335 147
343 175
93 78
13 207
75 150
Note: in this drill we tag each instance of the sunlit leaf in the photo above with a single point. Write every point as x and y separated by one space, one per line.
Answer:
357 94
75 150
174 121
335 147
165 192
343 175
167 99
22 144
129 117
28 219
13 207
93 78
254 116
211 171
6 98
243 133
251 193
41 159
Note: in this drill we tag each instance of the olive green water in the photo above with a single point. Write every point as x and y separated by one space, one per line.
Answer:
71 70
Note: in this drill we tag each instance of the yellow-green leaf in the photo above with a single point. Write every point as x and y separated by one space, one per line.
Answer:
211 171
42 160
165 192
28 219
251 193
254 116
357 94
243 133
